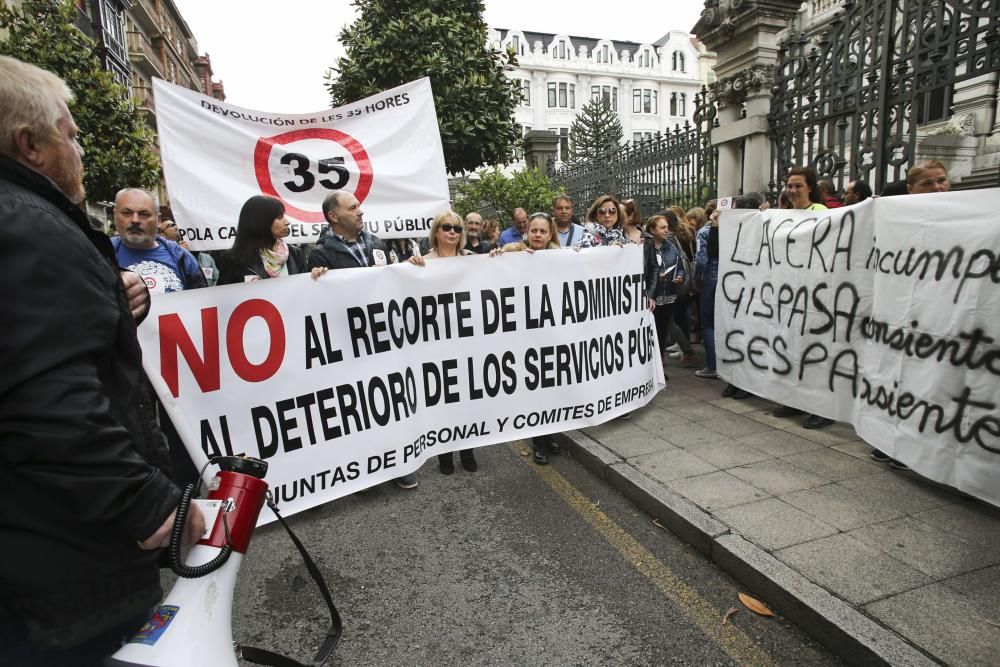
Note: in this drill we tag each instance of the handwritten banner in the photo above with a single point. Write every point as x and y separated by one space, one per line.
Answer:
384 149
885 315
346 382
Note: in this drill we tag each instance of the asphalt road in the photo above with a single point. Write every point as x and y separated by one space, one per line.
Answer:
516 564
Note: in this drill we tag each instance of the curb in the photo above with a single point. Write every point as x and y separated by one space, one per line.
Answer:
837 625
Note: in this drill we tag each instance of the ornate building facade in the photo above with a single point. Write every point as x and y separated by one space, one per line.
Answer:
651 86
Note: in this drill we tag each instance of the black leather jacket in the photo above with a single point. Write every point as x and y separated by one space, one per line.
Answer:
77 489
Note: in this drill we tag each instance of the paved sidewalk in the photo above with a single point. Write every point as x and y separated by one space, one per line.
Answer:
871 560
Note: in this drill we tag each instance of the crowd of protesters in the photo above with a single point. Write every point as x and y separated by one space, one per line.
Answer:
79 439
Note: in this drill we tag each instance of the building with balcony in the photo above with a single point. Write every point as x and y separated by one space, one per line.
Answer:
651 86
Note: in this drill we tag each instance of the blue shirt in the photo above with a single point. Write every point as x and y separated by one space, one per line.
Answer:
510 235
165 268
571 236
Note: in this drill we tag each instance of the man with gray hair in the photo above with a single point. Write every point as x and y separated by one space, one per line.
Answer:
83 506
163 264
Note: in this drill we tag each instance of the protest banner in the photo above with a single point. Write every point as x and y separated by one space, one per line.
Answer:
384 149
885 315
349 381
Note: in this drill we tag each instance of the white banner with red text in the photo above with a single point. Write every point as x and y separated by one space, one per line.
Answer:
885 315
346 382
384 149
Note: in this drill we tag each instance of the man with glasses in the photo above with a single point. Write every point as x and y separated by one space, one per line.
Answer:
163 264
929 176
515 232
569 232
473 234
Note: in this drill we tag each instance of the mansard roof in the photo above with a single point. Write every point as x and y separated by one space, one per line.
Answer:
589 42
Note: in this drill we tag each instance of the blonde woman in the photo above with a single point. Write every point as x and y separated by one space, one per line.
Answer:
447 239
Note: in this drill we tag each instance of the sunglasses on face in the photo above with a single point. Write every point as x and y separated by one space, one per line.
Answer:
448 227
607 211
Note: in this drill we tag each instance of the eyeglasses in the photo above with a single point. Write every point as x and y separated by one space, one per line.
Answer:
448 227
607 211
541 215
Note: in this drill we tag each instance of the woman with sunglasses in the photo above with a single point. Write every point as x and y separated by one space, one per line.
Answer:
540 234
259 250
605 220
447 239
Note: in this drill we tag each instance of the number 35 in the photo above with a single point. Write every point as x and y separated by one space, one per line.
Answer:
325 166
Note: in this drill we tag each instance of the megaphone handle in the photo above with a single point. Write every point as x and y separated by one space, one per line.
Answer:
333 634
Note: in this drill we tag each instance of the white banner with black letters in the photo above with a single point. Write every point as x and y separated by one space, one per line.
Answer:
385 149
346 382
885 315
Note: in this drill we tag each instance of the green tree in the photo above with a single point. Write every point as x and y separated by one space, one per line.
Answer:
529 189
596 132
119 146
397 41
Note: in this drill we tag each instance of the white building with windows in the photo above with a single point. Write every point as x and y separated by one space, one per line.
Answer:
651 86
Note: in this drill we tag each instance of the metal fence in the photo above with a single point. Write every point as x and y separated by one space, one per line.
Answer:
678 167
848 99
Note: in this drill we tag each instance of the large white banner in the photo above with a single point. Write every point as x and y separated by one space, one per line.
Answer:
885 315
347 381
385 149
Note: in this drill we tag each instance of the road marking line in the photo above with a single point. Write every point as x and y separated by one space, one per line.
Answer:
732 640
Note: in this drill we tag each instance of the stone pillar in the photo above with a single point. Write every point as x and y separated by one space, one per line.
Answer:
540 150
744 35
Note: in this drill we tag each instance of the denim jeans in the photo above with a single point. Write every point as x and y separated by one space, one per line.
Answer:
706 301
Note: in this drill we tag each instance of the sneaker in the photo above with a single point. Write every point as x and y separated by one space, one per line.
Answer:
815 421
675 355
707 373
898 465
446 463
540 457
728 391
880 457
786 411
407 481
673 348
687 361
740 394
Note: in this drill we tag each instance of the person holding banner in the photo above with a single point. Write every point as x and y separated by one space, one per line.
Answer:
542 234
605 220
802 187
259 250
447 239
346 244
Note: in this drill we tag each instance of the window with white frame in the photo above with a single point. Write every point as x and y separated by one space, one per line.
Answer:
644 100
603 54
525 92
678 62
560 50
639 137
562 95
673 104
517 45
645 58
607 93
682 105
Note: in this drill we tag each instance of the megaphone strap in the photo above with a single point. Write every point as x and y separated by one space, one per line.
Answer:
261 656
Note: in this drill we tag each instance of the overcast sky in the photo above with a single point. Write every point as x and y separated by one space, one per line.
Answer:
272 56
